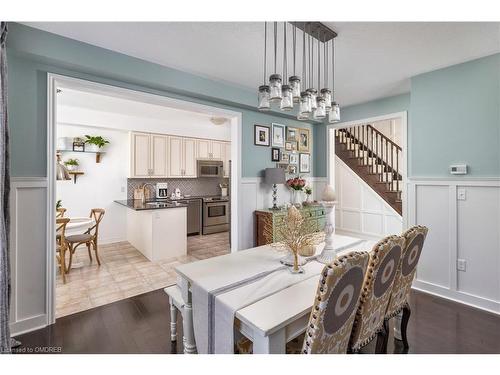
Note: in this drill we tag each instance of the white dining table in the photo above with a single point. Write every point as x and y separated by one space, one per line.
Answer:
270 320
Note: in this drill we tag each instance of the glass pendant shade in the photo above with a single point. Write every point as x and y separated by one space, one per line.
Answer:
295 85
313 95
275 87
327 95
287 98
263 98
305 104
334 114
320 112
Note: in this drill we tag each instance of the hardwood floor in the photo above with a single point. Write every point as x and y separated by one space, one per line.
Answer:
140 324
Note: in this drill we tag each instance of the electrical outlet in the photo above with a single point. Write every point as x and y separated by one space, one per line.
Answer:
461 194
461 265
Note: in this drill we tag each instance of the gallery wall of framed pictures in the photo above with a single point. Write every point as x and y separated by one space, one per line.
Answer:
290 146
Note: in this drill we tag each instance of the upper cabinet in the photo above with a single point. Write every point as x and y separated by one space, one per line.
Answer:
148 156
161 156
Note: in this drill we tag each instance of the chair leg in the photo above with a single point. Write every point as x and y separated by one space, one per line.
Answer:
173 322
71 251
382 337
96 253
88 250
404 325
62 265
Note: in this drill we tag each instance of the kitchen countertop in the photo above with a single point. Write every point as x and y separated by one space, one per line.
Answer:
136 204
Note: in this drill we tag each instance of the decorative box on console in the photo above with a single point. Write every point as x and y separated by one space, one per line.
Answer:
316 214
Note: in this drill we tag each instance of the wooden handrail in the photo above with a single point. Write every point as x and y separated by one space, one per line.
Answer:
384 137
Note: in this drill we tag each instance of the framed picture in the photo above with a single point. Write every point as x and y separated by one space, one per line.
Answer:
282 166
288 146
305 163
261 135
304 140
292 134
275 154
294 158
285 157
278 135
294 146
292 169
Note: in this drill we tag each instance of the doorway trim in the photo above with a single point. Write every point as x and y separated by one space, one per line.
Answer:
56 80
330 148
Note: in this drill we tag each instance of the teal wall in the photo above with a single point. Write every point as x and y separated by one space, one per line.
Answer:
455 118
32 53
361 111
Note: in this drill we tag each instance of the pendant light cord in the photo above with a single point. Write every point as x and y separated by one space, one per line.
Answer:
319 63
265 52
285 61
333 69
294 37
275 43
304 56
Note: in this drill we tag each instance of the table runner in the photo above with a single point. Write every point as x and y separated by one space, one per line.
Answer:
214 310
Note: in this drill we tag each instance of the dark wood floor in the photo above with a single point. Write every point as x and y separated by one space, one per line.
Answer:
141 324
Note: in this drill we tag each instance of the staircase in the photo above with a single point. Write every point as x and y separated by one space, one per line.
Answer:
375 159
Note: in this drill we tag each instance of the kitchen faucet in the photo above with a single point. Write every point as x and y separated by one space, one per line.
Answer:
144 191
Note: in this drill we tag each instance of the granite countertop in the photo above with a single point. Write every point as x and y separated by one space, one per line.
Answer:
136 204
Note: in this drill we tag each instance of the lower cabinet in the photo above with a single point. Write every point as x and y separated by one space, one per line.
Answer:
268 222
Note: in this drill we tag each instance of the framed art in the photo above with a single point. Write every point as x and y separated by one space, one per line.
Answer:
304 140
261 135
294 158
292 134
278 135
292 169
294 146
282 166
275 154
305 163
288 146
285 157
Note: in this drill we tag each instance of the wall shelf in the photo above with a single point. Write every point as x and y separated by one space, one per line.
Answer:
75 174
98 154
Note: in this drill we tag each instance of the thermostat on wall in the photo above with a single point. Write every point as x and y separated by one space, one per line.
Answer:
458 169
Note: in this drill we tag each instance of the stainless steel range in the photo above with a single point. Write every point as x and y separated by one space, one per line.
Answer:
215 214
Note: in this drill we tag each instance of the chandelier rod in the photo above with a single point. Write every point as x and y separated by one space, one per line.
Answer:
333 70
294 36
275 44
319 63
265 52
285 61
304 58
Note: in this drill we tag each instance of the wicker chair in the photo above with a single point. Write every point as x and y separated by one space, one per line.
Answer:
414 243
89 238
369 321
61 245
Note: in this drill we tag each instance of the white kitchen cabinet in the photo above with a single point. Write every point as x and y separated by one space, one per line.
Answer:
226 158
189 157
148 157
182 157
218 150
204 148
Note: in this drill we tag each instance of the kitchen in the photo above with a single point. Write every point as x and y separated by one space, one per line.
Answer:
162 178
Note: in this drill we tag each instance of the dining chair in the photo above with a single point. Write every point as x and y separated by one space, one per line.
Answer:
61 245
398 303
89 238
60 212
379 279
337 297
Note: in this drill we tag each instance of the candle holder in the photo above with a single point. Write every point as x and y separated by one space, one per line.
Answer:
329 253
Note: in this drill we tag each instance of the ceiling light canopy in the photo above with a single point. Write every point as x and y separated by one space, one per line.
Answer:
312 90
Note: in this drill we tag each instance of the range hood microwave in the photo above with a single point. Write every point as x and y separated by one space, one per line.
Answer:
210 168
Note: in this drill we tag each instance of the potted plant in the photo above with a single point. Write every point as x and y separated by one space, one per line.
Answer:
71 164
308 190
297 184
95 142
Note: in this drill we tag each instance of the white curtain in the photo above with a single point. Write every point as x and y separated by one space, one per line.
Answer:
5 344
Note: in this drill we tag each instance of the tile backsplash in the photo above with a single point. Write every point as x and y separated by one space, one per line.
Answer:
187 186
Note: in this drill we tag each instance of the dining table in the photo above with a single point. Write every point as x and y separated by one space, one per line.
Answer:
251 293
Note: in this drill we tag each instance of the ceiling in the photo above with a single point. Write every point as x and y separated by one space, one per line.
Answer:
373 60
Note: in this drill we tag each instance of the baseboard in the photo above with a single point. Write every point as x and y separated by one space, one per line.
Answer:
28 325
106 241
457 296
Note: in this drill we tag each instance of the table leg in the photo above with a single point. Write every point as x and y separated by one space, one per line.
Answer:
173 321
187 324
275 343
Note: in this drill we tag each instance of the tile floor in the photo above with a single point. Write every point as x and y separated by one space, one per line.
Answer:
125 272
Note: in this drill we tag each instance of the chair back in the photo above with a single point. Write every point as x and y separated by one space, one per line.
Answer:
384 261
60 212
414 243
337 298
97 214
61 223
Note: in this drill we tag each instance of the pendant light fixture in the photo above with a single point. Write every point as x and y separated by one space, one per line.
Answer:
313 102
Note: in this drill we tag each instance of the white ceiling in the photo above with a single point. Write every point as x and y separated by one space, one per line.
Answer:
373 60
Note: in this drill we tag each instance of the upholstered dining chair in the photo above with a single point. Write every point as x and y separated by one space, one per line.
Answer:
398 303
61 245
89 238
369 320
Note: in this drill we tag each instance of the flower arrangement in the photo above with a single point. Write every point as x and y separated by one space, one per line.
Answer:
296 183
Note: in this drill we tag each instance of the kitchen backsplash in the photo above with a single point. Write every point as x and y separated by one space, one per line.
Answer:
187 186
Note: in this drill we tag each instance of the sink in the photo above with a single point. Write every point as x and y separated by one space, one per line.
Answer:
162 204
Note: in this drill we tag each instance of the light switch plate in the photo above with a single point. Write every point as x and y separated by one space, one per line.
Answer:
461 194
461 265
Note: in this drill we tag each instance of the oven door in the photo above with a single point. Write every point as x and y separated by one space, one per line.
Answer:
210 168
215 213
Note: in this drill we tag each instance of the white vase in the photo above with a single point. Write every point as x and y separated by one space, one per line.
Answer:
297 198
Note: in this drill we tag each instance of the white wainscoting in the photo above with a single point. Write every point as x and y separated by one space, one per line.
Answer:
459 229
360 210
28 251
255 195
